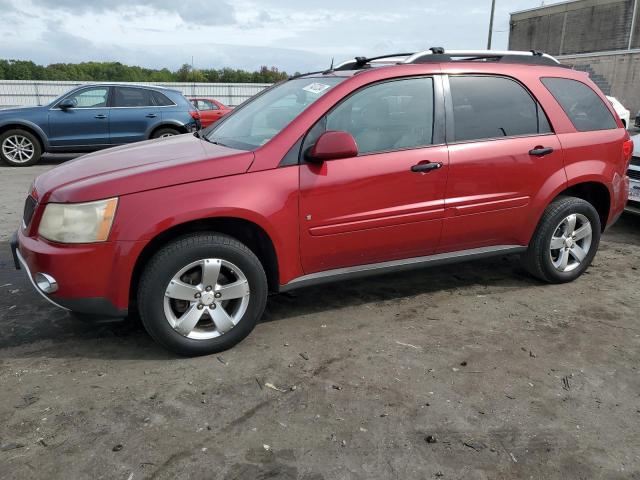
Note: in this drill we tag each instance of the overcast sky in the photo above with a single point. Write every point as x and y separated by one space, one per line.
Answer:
289 34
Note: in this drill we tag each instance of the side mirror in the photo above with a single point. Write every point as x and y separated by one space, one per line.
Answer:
333 145
66 104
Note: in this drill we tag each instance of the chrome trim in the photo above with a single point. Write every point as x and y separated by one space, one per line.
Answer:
358 271
24 265
114 108
50 283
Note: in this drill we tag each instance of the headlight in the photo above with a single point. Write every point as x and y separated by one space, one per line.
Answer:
78 222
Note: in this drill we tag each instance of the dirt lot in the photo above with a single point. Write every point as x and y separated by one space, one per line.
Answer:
466 372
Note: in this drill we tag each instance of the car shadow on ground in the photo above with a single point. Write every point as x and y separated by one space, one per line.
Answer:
37 328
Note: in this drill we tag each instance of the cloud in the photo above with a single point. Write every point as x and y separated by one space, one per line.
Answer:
202 12
289 34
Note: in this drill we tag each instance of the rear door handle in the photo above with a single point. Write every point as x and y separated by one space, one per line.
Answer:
426 167
151 115
540 151
100 116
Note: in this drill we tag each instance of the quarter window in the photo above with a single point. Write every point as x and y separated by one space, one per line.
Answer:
160 99
583 106
387 116
493 107
132 97
90 98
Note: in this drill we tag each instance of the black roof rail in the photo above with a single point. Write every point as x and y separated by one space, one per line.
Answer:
440 55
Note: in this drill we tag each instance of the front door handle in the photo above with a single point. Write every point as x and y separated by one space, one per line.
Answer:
151 115
100 116
540 151
426 167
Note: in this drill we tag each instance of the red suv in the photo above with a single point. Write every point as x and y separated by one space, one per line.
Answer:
377 165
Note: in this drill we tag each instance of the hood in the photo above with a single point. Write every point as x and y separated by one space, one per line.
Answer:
140 166
13 111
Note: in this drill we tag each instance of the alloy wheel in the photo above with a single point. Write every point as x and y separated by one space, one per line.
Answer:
206 298
571 242
18 149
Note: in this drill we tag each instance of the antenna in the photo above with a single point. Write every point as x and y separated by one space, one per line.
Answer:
331 67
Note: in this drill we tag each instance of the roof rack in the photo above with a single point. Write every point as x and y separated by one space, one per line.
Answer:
440 55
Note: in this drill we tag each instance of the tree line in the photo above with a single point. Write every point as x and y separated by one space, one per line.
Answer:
117 72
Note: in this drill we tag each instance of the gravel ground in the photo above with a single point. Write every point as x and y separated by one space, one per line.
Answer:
472 371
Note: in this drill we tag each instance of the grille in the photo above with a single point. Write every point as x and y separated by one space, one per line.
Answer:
29 208
635 174
635 161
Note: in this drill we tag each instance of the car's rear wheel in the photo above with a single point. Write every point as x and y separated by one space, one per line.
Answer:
202 294
565 241
165 132
19 148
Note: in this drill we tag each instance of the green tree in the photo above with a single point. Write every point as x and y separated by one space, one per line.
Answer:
118 72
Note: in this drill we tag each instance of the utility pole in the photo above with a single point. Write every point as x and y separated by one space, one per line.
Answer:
493 8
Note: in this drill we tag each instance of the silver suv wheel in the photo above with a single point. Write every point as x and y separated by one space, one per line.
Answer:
206 298
18 148
571 242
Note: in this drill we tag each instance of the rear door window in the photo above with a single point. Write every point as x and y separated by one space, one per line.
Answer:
132 97
583 106
494 107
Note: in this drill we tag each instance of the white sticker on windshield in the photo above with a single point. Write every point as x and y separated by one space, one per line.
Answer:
316 87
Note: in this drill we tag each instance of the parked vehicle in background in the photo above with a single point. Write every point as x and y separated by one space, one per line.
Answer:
633 205
637 123
211 110
623 113
436 158
93 117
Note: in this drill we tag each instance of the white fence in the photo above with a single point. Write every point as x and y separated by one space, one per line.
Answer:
41 92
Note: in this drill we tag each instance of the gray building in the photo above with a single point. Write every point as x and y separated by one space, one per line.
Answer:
601 37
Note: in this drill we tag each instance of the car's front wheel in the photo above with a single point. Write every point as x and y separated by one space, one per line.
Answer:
202 293
565 241
19 148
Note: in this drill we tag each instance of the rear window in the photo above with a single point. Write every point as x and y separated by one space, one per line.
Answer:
487 107
583 106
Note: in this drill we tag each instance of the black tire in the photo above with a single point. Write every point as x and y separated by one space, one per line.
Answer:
176 255
165 132
34 141
538 260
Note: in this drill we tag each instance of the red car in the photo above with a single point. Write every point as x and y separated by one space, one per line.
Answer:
210 110
375 166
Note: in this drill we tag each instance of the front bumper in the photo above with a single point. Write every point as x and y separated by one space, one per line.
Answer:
82 276
21 264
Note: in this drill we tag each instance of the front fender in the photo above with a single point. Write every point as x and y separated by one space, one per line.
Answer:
28 124
268 199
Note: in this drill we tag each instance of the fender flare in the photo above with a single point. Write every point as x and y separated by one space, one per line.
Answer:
163 124
42 136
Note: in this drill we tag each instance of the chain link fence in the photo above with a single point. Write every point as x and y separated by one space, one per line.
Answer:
42 92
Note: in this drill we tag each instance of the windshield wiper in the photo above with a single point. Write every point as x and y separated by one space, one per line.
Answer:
207 139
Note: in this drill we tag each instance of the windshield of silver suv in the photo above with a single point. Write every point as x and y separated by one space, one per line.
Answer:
258 121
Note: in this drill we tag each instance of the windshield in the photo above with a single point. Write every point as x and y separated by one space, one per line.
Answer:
262 118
